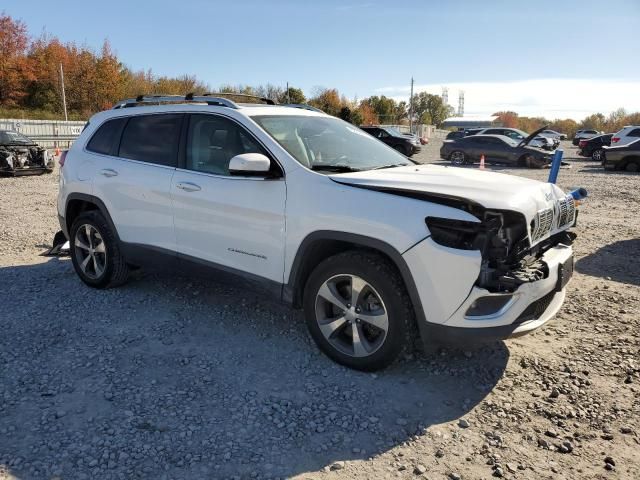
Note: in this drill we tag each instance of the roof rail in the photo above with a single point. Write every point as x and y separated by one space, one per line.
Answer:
160 99
268 101
303 106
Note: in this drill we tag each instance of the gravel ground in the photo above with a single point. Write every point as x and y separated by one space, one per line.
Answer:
178 378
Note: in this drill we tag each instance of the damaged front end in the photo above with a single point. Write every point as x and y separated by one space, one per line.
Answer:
504 240
25 160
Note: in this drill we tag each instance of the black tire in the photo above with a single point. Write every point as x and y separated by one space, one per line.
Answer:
458 158
384 281
632 166
402 149
116 270
596 155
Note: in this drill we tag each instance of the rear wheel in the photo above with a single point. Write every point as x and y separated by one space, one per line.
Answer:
95 252
632 166
597 155
458 158
358 311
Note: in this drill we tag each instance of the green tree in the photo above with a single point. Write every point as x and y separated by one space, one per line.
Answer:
293 95
430 109
385 108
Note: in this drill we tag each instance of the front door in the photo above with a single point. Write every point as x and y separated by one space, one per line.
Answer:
228 221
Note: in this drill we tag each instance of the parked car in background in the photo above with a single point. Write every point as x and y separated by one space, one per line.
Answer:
592 147
20 155
582 134
406 144
539 141
622 157
455 134
496 149
628 134
376 248
554 134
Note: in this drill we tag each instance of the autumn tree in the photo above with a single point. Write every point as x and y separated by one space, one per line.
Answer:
328 100
15 69
507 119
385 108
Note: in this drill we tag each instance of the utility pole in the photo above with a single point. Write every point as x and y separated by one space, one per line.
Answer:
411 108
288 95
64 98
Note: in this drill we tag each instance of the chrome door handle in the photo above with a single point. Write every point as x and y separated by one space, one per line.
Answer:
188 186
108 172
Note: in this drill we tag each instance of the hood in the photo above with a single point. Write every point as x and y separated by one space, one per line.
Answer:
489 189
526 141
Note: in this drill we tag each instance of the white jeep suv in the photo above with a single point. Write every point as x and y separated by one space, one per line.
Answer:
372 246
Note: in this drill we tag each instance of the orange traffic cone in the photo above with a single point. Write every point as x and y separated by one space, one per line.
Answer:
482 162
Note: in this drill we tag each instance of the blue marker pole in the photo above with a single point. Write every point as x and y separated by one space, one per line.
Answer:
555 166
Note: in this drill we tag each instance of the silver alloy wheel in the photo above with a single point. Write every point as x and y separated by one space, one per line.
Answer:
90 251
351 315
597 155
457 158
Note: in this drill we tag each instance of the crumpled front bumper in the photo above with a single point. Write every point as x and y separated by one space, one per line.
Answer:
530 306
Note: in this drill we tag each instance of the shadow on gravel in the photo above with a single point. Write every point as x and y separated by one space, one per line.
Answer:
619 261
170 377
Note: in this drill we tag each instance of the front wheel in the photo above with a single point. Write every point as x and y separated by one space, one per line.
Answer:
358 311
458 158
597 155
401 149
632 167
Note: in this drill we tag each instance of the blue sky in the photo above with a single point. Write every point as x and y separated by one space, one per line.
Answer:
553 58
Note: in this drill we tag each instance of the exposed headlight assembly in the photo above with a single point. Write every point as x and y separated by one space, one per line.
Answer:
458 234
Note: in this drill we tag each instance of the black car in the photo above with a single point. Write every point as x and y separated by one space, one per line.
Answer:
625 157
456 134
496 149
20 155
592 147
406 144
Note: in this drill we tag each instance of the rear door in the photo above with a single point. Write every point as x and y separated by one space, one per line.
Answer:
134 181
226 220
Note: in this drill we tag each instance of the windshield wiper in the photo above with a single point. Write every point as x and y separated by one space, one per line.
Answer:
390 166
335 168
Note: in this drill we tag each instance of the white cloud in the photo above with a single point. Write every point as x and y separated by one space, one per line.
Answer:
550 98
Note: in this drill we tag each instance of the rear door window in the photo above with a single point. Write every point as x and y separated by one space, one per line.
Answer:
152 138
105 140
635 132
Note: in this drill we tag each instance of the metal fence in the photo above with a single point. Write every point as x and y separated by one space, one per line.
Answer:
46 133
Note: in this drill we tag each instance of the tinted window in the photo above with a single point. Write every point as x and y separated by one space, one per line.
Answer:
106 137
635 133
152 138
213 141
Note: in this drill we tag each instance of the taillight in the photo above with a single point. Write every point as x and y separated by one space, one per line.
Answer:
582 143
615 139
63 157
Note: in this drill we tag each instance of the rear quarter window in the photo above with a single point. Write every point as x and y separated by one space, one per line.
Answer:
105 140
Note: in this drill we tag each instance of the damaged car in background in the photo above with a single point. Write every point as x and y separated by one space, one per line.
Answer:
498 149
20 155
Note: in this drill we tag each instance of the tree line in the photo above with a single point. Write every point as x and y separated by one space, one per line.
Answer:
597 121
30 87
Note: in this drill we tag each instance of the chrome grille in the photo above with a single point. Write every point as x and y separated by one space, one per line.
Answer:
567 208
558 217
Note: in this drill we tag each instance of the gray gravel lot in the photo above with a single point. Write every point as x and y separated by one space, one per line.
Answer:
171 377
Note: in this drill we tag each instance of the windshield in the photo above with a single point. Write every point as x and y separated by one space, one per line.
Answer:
8 137
329 144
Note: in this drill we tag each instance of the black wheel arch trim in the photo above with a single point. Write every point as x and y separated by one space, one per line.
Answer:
292 291
84 197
